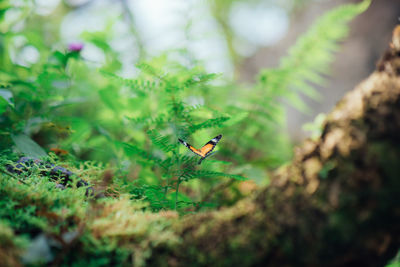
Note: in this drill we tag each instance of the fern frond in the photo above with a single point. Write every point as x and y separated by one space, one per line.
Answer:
187 78
190 174
214 161
236 118
162 142
210 123
188 160
309 58
149 120
149 69
131 150
189 109
155 196
176 107
139 86
199 79
170 84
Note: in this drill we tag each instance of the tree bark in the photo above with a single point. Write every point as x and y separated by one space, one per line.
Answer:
336 204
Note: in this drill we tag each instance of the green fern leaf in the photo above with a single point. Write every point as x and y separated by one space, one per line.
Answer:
146 121
309 58
190 174
131 150
210 123
139 86
162 142
188 160
155 196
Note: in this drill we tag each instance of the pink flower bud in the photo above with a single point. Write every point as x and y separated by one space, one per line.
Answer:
75 47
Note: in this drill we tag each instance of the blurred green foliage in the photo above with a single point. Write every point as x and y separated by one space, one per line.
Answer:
131 125
65 102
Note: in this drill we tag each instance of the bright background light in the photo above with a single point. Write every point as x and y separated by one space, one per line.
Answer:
164 25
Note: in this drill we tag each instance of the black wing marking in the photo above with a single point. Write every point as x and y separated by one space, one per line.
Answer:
194 150
206 150
209 147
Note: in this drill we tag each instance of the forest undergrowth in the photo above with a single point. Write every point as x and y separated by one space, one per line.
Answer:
91 169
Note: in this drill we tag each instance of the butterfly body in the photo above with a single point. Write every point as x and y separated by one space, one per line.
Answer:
206 150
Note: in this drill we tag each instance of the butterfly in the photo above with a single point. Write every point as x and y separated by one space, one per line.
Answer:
205 151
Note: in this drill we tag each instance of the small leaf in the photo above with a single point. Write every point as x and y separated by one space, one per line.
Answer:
27 146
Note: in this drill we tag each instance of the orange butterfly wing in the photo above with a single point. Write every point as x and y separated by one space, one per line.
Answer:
206 149
196 151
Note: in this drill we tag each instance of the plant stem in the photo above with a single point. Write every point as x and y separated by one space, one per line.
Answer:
165 192
177 189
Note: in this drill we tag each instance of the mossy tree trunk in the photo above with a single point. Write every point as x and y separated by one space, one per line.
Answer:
336 204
